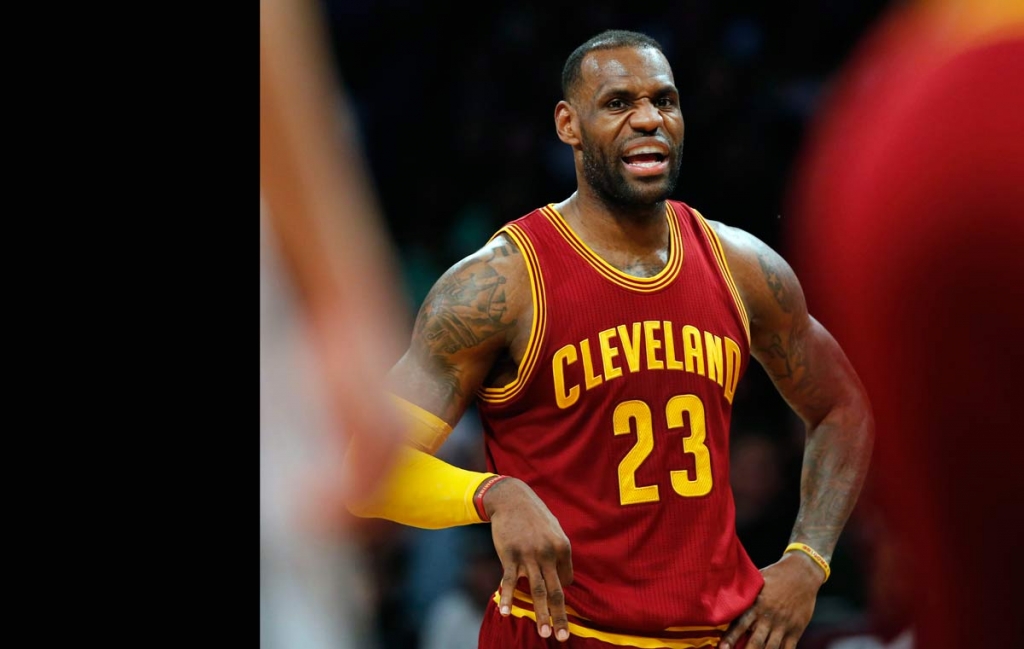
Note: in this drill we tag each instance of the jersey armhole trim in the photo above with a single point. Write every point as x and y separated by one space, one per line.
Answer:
537 328
723 266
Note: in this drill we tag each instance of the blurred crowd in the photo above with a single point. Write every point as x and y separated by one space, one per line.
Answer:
455 115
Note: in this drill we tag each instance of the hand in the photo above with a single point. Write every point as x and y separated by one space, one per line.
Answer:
784 607
531 544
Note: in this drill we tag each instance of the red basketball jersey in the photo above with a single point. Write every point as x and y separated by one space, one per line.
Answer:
619 420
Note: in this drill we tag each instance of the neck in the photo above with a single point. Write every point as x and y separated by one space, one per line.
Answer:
635 226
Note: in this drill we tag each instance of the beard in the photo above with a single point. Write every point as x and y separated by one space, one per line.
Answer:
603 173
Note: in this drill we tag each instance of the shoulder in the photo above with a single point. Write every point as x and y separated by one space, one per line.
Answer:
491 285
500 256
766 282
742 249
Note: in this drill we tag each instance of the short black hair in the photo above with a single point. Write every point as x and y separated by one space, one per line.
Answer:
606 40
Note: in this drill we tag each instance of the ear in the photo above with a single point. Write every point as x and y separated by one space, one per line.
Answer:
566 123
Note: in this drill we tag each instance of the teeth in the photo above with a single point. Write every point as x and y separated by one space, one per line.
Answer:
652 163
644 149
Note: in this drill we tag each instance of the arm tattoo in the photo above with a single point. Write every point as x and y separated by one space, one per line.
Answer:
787 364
835 462
834 458
801 360
777 351
502 250
775 283
784 357
462 311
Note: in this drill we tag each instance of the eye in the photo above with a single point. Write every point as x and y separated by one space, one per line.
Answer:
665 102
616 104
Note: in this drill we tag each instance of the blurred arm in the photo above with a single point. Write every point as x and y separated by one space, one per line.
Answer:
323 211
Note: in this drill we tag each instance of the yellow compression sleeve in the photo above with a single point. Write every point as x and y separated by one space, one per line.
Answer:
422 491
426 431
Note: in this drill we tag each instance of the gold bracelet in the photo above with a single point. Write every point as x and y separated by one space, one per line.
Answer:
809 551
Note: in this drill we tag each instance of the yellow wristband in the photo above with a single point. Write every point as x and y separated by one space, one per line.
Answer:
809 551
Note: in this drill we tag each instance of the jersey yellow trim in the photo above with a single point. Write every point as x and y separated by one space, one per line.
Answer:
426 430
624 639
641 284
537 328
526 597
723 266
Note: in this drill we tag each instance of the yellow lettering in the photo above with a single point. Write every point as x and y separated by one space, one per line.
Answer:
692 349
700 481
564 357
671 362
588 365
732 367
629 492
713 346
631 346
653 345
608 353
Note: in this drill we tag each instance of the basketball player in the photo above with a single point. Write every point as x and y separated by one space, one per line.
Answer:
602 339
909 224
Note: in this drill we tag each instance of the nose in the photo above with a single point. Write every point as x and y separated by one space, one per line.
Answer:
646 117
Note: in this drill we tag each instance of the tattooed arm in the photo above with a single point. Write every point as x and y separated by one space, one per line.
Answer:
816 379
472 331
472 323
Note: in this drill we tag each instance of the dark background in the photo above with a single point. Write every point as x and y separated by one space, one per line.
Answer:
455 105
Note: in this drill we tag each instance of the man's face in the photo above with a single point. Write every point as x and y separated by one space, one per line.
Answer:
631 128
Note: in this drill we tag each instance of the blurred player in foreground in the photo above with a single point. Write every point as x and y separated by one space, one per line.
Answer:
909 234
330 325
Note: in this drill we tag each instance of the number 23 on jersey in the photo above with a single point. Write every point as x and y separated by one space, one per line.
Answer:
684 483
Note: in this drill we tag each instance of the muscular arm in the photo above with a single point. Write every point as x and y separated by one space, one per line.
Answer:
813 375
472 331
465 325
469 322
815 378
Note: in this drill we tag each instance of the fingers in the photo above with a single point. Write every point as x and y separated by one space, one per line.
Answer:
556 603
737 629
759 635
775 638
548 598
766 635
783 639
565 574
508 586
540 600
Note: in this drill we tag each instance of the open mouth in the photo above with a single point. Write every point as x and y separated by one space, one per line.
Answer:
646 164
644 159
